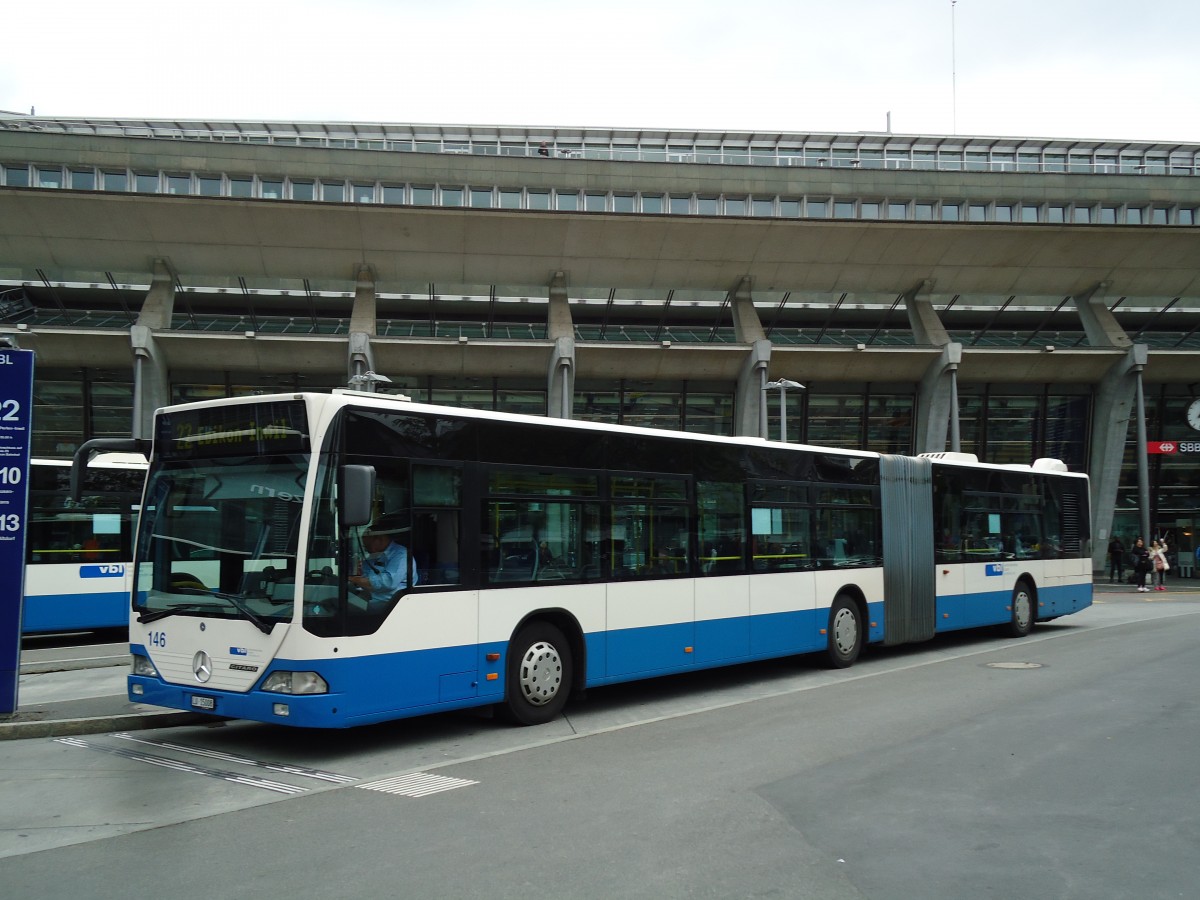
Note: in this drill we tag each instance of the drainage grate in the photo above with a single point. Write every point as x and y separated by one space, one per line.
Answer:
418 784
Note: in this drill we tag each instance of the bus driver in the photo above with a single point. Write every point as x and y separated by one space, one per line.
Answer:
385 572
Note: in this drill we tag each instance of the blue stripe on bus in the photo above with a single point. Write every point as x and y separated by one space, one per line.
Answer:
74 612
955 611
399 685
363 689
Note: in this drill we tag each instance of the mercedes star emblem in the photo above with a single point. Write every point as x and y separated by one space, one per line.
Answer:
202 666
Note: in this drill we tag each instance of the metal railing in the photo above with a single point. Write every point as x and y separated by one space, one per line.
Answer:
1053 159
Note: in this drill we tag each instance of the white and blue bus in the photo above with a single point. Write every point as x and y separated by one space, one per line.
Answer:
549 556
78 555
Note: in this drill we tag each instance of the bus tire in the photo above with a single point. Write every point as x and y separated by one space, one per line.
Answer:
845 633
539 675
1023 610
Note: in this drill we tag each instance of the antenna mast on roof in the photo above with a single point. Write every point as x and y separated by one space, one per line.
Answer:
953 71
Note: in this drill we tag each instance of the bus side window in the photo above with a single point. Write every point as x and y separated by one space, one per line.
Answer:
435 546
722 522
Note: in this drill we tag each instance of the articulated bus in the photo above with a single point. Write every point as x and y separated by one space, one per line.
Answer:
549 556
78 555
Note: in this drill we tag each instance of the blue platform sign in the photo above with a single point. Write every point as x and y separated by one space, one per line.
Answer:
16 434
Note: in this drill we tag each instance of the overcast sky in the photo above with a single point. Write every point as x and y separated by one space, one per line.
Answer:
1099 69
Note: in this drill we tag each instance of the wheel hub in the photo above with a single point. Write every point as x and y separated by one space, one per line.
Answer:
845 631
541 673
1022 609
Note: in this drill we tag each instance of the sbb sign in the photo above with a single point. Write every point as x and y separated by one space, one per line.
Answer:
1173 446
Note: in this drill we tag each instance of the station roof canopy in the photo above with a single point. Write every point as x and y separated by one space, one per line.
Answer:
73 236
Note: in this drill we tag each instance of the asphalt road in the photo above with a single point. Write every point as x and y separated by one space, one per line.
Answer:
1058 766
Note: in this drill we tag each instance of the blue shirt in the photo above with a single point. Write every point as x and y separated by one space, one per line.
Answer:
387 572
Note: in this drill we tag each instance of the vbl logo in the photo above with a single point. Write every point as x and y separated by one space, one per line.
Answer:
111 570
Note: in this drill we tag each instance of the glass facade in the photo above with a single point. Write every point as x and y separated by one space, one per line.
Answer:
73 406
568 200
699 407
1174 478
860 417
1018 424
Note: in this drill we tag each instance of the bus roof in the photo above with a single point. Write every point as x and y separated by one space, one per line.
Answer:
100 461
340 398
344 397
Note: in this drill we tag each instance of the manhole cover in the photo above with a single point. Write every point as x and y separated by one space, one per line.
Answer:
1014 665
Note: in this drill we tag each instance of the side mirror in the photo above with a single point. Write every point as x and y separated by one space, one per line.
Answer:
83 456
358 493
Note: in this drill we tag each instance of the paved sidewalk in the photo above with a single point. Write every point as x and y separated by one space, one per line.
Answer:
1185 589
82 701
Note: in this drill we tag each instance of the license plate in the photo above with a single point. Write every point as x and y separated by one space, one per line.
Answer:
204 702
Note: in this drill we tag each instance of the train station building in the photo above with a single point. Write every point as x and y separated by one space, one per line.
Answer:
1010 297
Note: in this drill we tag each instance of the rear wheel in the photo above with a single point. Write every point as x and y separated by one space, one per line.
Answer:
1022 610
845 633
539 675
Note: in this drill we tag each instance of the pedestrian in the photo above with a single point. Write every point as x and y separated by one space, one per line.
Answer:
543 150
1141 564
1116 561
1158 559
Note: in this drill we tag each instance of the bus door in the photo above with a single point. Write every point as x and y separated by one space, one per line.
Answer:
651 603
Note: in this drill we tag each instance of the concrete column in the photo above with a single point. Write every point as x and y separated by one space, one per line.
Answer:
937 394
559 323
560 379
362 362
750 404
363 327
151 381
750 401
362 314
937 402
560 375
151 378
1112 408
747 327
1099 324
159 305
927 328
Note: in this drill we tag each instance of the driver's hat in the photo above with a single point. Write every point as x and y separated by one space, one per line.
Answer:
389 525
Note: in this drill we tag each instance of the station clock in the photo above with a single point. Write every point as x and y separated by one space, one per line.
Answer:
1193 414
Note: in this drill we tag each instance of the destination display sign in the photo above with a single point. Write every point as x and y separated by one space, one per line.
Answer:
251 429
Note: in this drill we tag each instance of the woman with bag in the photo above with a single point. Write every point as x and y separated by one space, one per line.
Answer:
1141 564
1158 559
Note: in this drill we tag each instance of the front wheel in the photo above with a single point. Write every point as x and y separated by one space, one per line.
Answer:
845 634
539 675
1021 622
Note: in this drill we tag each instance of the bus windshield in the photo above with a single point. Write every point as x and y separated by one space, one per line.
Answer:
96 528
218 538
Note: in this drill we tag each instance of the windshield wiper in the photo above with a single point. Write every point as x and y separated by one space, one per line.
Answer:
241 607
157 614
233 601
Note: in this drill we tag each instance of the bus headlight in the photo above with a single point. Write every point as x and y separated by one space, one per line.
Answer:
295 683
143 666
